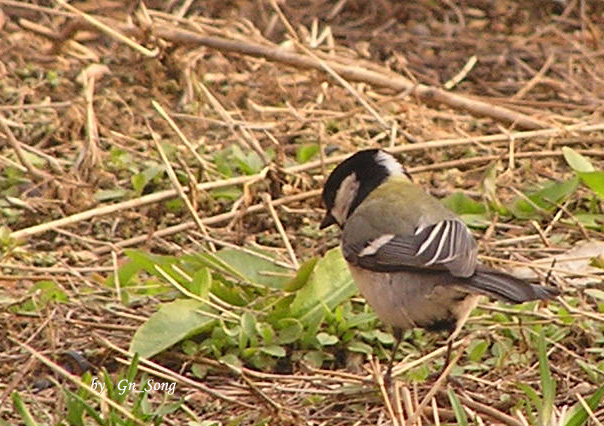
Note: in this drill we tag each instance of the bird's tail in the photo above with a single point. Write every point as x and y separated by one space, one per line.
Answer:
503 286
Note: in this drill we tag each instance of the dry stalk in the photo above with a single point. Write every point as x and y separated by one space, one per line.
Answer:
204 186
179 189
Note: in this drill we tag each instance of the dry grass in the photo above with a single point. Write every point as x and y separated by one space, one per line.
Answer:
345 75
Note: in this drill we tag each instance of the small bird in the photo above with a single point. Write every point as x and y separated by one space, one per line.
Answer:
413 260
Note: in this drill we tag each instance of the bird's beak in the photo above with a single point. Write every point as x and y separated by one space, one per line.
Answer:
328 220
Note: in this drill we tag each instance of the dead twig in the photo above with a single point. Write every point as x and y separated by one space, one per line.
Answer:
385 79
204 186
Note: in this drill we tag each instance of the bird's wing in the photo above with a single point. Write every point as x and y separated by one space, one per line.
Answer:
445 245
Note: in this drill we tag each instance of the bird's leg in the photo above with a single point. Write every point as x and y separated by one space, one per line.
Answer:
398 336
436 376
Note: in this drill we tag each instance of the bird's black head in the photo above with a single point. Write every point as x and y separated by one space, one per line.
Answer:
353 179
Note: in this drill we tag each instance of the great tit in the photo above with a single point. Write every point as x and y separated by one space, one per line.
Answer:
413 260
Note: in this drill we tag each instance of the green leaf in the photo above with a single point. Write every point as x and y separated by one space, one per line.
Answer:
588 220
231 359
480 221
200 283
274 350
548 384
477 349
329 285
460 413
172 323
384 338
138 182
248 267
577 415
594 181
229 193
21 408
597 262
356 346
76 404
315 358
248 330
110 194
249 163
532 395
307 152
325 339
304 272
48 291
576 161
291 330
460 203
537 203
266 331
150 262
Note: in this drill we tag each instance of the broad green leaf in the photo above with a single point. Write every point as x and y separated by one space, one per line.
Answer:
172 323
315 358
266 331
325 339
594 181
576 161
125 273
248 267
329 285
274 350
480 221
290 332
536 204
360 320
460 203
356 346
384 338
231 359
588 220
150 262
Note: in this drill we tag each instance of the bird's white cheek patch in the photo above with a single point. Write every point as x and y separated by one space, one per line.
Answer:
393 167
345 195
373 247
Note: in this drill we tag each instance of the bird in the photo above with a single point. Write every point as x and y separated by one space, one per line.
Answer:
413 260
